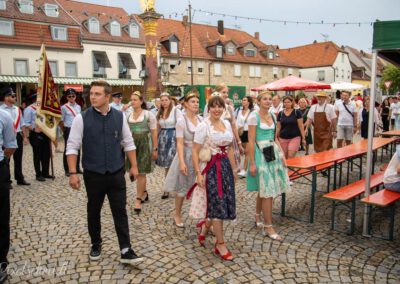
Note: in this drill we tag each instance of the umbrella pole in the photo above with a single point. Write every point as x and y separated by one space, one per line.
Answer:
370 142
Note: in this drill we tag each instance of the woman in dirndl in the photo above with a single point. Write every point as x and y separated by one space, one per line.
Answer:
304 109
222 90
218 176
143 125
267 177
167 116
181 175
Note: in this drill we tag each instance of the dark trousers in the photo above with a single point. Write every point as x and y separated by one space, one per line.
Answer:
113 186
41 153
17 156
5 186
66 135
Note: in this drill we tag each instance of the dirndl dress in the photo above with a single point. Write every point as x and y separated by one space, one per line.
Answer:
175 181
271 179
167 140
141 136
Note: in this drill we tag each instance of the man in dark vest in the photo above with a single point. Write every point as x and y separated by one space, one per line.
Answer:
104 135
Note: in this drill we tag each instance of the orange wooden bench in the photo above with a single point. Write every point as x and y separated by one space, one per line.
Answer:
383 198
349 193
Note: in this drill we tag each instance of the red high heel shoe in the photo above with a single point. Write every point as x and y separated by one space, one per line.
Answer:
228 256
200 237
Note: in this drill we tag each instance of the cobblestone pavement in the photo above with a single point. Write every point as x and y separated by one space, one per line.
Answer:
50 242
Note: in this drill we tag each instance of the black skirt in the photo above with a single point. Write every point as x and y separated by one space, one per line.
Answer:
244 137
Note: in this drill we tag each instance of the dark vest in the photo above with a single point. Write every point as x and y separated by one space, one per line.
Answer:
101 143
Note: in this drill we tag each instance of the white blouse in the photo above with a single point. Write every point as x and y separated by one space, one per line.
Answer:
216 138
149 115
242 120
171 120
253 121
186 131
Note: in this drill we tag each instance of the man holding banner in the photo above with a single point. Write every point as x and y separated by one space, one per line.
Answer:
43 118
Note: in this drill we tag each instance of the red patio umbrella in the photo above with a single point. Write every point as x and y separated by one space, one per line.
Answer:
291 83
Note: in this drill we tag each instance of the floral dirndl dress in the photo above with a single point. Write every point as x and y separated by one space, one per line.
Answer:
271 178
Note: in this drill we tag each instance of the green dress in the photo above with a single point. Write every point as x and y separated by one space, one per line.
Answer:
141 137
271 178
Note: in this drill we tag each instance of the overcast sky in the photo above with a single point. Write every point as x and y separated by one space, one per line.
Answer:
288 35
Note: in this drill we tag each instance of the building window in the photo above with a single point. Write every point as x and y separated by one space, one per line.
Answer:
217 69
254 71
275 71
342 73
115 28
94 26
53 68
270 55
342 57
25 6
250 53
173 47
321 75
133 30
200 67
189 67
237 70
2 4
21 67
6 28
230 50
70 69
290 71
59 33
258 71
100 63
219 51
125 62
51 10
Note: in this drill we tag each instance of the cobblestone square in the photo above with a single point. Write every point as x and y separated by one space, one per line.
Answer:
50 242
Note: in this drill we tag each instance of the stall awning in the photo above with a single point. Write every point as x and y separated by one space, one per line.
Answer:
127 60
68 80
387 40
102 59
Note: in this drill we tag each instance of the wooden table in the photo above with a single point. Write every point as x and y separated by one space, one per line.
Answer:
311 162
391 133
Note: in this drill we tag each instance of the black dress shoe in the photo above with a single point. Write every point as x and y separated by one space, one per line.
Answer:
40 178
3 276
23 182
49 176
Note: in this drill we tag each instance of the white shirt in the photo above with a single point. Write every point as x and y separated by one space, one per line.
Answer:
391 175
253 121
329 110
218 138
276 110
242 120
345 118
76 135
395 107
171 120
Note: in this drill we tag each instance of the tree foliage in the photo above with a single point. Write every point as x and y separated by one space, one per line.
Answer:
391 73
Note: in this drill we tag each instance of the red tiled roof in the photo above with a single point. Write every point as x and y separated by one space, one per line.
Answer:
203 35
81 12
366 58
38 34
12 12
313 55
34 29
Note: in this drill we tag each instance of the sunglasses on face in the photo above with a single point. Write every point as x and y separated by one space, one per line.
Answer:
70 97
13 96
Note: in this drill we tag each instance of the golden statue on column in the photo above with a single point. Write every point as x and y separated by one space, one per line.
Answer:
152 79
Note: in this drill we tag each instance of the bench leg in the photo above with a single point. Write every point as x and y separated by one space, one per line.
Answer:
334 175
333 215
391 223
348 170
353 216
329 179
361 167
340 174
283 205
313 190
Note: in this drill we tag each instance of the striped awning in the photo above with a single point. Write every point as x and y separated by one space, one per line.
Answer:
68 80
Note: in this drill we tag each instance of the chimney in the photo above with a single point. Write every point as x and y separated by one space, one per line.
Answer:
315 41
185 20
257 35
221 27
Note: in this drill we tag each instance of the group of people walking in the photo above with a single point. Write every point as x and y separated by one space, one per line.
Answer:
201 155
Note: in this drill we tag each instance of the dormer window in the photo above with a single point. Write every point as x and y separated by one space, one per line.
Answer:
2 4
250 53
94 26
173 47
219 51
51 10
270 55
59 33
230 50
134 30
25 6
115 28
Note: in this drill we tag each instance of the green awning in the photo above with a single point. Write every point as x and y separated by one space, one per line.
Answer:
67 80
386 40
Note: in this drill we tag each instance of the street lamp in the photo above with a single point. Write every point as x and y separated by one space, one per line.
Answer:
164 67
